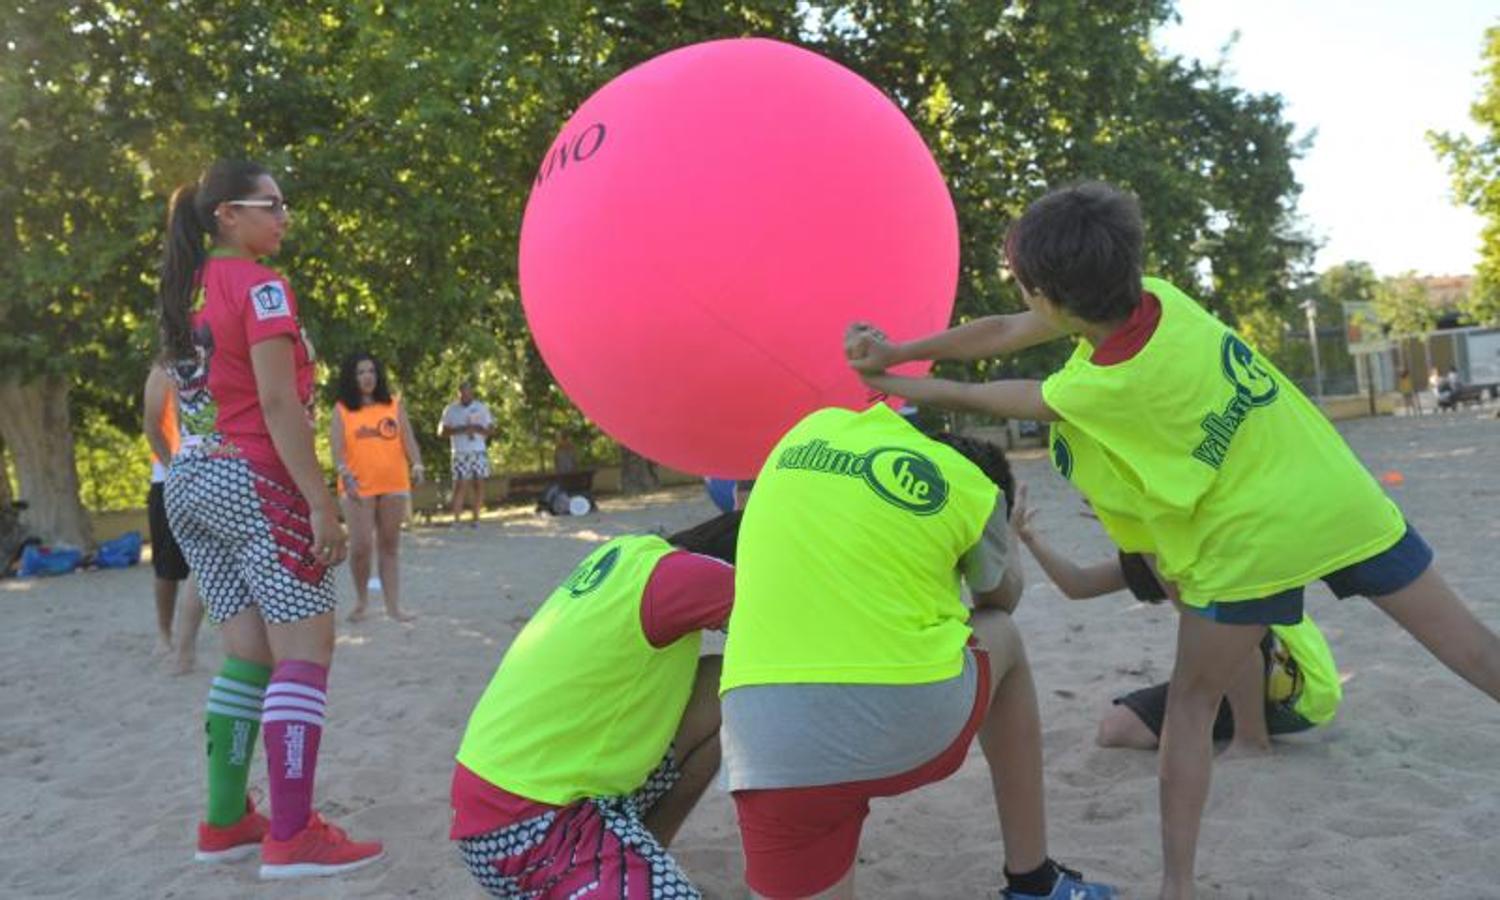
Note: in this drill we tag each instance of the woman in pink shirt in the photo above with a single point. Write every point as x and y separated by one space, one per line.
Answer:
254 517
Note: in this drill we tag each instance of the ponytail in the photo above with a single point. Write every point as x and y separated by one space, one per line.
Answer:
183 256
190 219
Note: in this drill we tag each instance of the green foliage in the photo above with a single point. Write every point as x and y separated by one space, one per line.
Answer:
114 466
406 136
1401 303
1475 166
75 224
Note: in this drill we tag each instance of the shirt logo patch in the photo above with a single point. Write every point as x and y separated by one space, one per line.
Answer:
587 577
270 301
1254 385
901 477
1062 456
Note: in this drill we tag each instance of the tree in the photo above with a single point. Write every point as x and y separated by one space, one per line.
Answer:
407 136
1475 167
74 251
1402 304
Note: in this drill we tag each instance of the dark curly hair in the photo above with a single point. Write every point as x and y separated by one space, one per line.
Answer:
1081 247
716 537
349 392
989 458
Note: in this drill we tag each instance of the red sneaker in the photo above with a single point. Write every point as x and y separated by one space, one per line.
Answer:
232 843
319 849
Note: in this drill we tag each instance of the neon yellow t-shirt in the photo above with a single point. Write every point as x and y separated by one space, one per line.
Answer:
582 704
1243 487
1315 684
848 558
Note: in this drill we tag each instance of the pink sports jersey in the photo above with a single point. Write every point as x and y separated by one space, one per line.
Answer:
244 303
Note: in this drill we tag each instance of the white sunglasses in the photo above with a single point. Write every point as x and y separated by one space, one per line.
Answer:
277 206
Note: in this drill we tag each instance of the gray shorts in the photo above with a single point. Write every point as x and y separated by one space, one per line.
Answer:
804 735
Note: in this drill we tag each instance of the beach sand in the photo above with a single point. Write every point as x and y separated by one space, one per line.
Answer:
101 771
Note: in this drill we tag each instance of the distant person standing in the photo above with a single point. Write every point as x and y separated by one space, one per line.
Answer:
378 459
167 438
1409 393
467 424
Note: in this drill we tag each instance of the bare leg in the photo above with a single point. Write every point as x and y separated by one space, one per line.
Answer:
1209 655
189 620
360 516
305 639
478 499
244 637
1432 613
1119 727
389 512
1247 703
460 490
696 748
166 606
1011 738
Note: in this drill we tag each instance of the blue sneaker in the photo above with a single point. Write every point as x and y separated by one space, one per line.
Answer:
1070 886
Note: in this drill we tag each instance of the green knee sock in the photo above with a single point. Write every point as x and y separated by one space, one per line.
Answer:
231 724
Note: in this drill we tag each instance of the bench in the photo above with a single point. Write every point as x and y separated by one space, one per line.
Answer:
1474 394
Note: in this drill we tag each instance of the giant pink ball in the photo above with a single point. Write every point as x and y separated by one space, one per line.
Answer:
704 228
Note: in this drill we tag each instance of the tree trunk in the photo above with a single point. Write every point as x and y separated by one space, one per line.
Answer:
35 426
637 473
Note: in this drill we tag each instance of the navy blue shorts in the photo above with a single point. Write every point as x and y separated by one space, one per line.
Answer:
1384 573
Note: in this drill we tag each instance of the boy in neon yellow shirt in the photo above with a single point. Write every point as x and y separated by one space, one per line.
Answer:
1292 685
1216 464
853 668
599 731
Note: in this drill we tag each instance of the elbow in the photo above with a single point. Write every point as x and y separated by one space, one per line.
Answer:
275 406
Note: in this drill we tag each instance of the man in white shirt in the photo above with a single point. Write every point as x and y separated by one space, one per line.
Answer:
467 423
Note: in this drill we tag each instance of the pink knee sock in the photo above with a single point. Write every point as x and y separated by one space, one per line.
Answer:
292 724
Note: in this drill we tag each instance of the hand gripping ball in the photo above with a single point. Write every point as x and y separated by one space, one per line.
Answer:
702 231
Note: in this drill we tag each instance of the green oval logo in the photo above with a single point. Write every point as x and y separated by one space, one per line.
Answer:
1062 456
1250 378
906 479
587 577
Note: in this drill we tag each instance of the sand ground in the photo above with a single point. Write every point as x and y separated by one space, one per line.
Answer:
100 749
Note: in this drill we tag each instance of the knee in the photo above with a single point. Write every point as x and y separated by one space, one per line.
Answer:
996 631
1122 728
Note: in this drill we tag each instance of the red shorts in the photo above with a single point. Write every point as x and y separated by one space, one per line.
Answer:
800 841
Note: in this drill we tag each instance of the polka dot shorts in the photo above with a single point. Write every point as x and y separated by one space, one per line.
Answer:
597 848
248 537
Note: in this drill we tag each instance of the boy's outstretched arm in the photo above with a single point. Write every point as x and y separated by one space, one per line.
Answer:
1011 399
1075 581
869 351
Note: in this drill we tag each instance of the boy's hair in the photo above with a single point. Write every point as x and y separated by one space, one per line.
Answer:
989 458
1080 247
716 537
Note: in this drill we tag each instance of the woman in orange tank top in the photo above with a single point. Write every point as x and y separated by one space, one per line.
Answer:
377 458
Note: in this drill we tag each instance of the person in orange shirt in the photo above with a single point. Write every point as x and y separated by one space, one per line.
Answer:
166 437
377 458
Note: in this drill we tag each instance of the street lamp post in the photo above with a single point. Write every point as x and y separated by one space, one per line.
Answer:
1311 308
